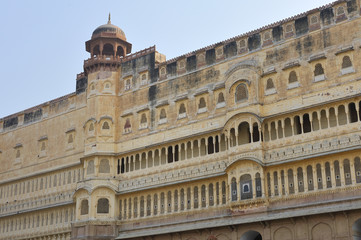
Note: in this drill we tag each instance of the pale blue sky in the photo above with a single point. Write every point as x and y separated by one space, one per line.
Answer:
43 42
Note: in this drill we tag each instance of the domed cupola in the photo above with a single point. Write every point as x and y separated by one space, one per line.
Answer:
107 30
108 40
107 46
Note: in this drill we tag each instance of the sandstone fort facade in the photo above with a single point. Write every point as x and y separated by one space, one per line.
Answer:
256 137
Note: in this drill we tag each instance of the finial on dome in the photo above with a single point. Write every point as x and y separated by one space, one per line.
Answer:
109 22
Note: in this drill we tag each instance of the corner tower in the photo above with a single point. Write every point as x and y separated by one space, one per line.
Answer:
95 197
107 45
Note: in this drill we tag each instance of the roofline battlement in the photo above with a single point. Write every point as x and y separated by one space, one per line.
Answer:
276 24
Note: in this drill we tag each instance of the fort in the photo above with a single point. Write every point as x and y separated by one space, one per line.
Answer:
255 137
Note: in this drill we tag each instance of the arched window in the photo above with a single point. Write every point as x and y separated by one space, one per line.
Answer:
163 114
270 84
103 205
241 93
91 127
120 51
346 65
318 69
220 98
84 207
202 106
108 50
105 125
143 121
96 51
319 73
104 166
292 78
202 103
70 138
90 168
346 62
182 111
127 126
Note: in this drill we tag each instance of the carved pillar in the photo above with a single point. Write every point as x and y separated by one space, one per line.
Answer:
279 179
323 176
305 179
328 116
276 127
192 197
151 204
254 189
352 170
238 188
295 180
319 119
292 126
272 184
311 120
336 113
172 202
138 208
347 116
207 195
342 174
314 176
333 176
287 185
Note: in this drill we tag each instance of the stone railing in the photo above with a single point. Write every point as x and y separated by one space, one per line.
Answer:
34 204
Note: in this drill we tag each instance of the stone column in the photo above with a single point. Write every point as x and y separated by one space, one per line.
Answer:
342 174
207 195
323 176
352 170
287 185
279 179
333 176
151 204
295 180
192 197
314 177
254 189
272 184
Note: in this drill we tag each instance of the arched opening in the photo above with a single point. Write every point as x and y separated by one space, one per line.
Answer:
321 231
346 62
104 166
96 51
251 235
283 233
292 78
241 93
258 185
244 135
356 229
120 51
84 207
270 84
246 186
108 50
103 205
202 105
342 117
220 98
